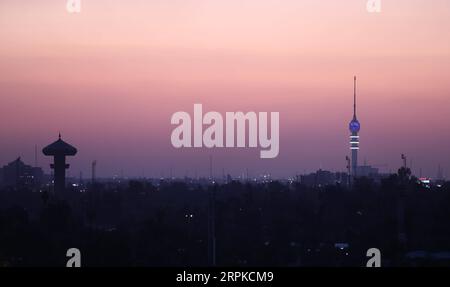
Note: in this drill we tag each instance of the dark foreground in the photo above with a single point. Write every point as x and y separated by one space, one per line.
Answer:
137 223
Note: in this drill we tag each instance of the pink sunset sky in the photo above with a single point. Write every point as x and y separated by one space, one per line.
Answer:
111 77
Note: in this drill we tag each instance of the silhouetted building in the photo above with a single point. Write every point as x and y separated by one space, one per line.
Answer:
59 150
323 178
18 174
367 171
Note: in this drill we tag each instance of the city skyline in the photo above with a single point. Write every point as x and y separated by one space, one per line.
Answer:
117 83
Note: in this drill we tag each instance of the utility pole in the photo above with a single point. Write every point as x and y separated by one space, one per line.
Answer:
212 226
349 171
211 169
94 166
35 156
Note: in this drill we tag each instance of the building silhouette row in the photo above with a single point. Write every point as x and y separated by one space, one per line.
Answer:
20 175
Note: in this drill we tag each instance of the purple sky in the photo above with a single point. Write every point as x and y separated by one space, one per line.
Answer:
111 77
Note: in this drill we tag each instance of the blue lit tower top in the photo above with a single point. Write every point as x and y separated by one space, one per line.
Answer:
354 127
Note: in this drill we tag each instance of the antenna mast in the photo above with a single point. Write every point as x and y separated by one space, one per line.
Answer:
35 156
354 96
94 166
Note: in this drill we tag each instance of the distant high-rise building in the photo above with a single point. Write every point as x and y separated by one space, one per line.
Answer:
323 178
319 178
367 171
354 127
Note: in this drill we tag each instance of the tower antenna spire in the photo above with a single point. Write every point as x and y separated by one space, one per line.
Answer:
354 96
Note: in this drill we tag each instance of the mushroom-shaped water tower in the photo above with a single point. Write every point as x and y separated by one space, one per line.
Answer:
59 150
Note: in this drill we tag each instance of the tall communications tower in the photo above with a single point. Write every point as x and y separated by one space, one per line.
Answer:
354 127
